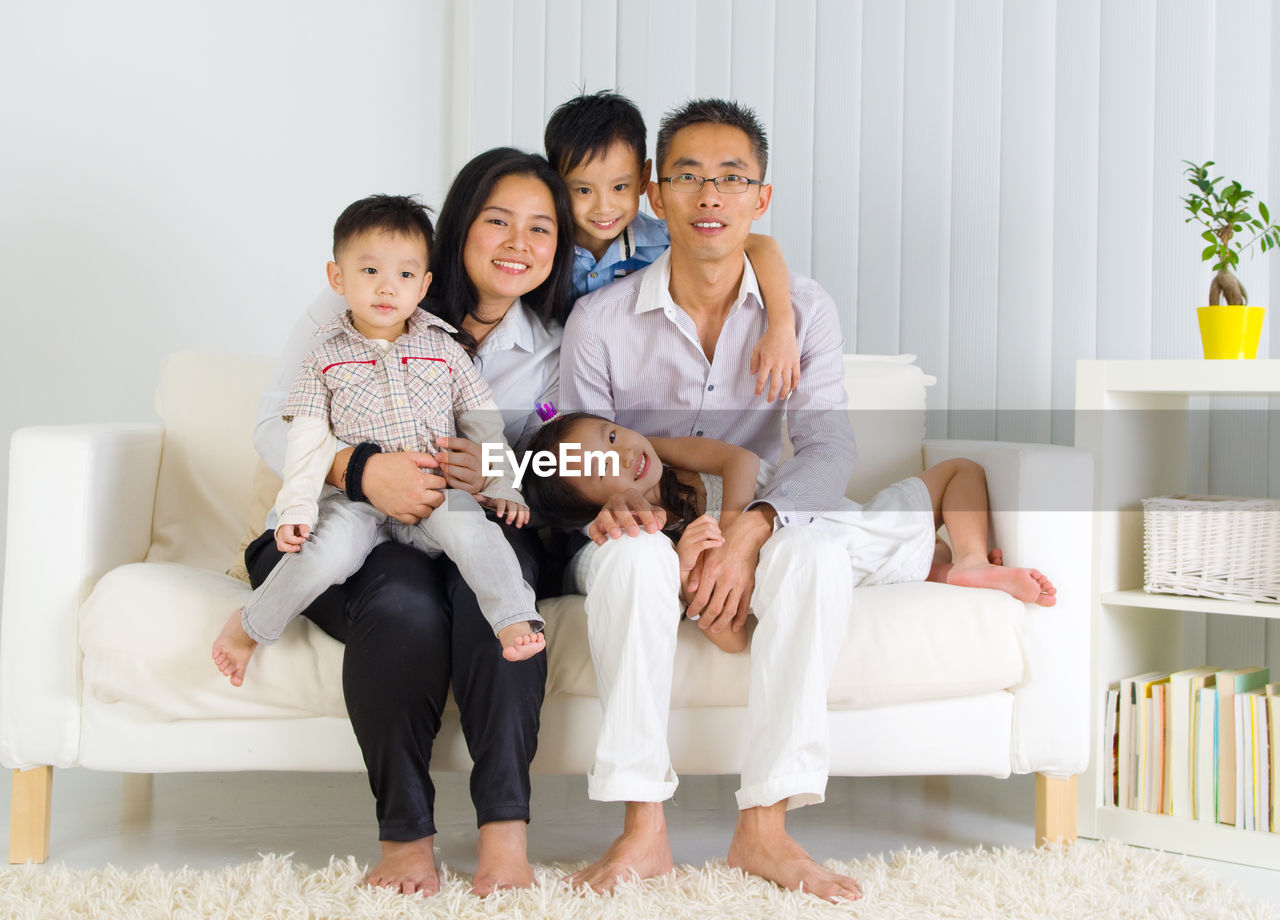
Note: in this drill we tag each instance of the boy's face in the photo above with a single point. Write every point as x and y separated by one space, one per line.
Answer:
383 277
709 225
605 193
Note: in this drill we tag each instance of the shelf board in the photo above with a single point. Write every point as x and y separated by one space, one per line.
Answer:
1136 597
1194 838
1256 377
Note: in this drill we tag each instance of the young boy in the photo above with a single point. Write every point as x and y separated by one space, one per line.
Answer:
597 143
386 376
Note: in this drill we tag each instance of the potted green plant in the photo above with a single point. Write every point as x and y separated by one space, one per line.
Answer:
1229 330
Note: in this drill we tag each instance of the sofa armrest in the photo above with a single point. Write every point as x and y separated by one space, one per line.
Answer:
1041 509
80 504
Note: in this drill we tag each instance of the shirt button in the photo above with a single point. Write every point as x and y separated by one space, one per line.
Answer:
698 433
710 387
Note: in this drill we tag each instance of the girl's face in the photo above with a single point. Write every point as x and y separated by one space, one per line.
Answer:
638 465
511 245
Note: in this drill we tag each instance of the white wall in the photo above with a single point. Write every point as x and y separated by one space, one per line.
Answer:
991 184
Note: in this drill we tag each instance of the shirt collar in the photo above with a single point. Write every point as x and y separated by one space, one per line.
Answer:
419 321
655 286
515 330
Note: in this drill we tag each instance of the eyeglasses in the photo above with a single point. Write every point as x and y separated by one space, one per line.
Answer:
729 185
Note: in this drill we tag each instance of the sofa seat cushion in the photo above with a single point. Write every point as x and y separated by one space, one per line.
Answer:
905 643
147 629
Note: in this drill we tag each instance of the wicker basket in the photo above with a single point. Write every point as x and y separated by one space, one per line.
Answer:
1212 546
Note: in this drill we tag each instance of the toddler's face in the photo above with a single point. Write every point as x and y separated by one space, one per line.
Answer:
383 277
638 464
605 193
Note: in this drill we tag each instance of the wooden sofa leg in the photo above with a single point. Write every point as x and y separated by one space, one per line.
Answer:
1055 809
29 809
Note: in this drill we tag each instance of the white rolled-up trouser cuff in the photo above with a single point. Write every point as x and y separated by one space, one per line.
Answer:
632 613
802 599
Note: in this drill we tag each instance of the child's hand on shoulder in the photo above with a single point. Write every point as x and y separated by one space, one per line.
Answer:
775 362
290 537
701 535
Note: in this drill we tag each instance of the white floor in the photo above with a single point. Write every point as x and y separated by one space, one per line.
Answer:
218 819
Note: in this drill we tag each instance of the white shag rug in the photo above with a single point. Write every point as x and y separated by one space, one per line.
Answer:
1086 880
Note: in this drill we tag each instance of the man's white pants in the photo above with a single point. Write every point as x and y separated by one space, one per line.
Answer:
801 598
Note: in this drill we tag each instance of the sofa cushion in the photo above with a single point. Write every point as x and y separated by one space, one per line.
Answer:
904 643
147 630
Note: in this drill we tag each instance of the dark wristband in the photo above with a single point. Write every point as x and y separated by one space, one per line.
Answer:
360 455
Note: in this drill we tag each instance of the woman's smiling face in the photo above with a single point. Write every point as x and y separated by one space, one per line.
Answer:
511 245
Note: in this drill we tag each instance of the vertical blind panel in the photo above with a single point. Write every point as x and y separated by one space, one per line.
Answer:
975 208
673 51
880 239
1184 69
926 191
714 27
1125 140
1075 204
1025 272
633 59
493 52
751 71
791 136
600 40
564 58
837 104
528 78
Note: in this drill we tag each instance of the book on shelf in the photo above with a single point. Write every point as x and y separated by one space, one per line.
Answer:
1206 749
1229 683
1151 749
1184 688
1111 746
1259 763
1129 739
1245 787
1273 745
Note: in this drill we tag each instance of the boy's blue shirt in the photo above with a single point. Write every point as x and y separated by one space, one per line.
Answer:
642 241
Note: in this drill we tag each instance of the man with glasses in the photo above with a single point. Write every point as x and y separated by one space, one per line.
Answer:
665 351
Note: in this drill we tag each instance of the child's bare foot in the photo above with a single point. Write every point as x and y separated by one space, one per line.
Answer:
519 641
1027 585
232 649
407 866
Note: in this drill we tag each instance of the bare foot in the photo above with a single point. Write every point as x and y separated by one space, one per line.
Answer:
942 561
407 866
642 851
504 860
1027 585
765 849
232 649
519 641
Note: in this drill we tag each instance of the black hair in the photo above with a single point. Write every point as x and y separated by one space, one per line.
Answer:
452 295
561 505
586 127
714 112
400 214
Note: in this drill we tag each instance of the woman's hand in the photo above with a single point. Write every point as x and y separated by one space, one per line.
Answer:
403 485
627 512
703 534
460 464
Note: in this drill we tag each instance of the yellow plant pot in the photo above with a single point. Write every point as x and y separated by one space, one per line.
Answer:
1230 332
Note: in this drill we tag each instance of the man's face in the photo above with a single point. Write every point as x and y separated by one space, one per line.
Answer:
709 225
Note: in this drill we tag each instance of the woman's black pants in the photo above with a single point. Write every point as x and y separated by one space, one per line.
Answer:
410 623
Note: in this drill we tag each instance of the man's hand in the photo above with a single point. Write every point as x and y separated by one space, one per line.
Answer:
290 537
627 512
725 576
402 486
460 464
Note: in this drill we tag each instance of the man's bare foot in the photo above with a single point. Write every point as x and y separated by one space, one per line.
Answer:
519 641
504 859
1027 585
232 649
406 866
642 851
764 848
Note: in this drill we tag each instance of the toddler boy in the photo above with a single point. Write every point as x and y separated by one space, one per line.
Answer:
385 376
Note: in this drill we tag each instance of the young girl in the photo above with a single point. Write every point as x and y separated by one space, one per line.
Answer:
701 483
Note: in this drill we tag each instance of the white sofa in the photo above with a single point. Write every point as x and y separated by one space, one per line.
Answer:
112 600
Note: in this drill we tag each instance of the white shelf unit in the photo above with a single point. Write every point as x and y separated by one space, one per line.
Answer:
1133 417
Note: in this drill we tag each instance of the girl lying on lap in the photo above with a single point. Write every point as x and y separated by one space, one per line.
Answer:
696 484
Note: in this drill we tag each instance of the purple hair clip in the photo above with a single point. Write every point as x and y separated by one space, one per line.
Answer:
546 411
